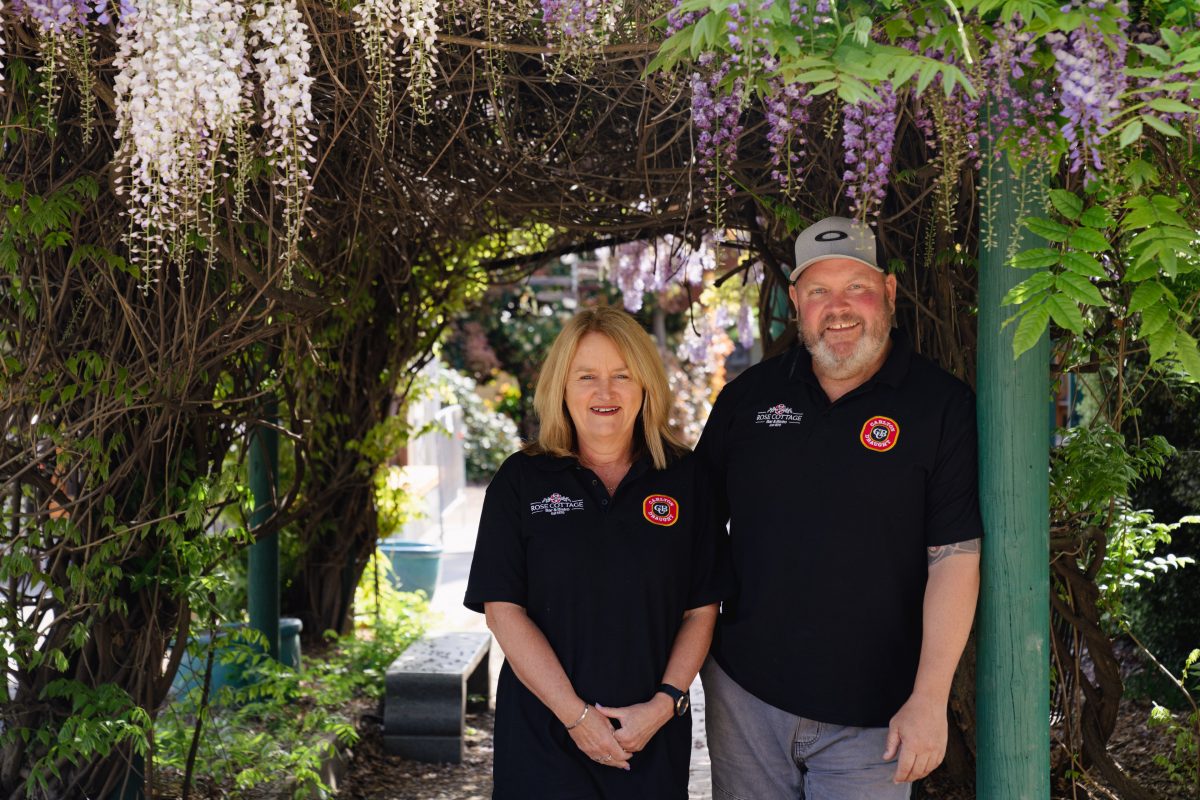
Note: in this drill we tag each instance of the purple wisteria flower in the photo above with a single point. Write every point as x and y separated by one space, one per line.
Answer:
717 116
868 136
1090 80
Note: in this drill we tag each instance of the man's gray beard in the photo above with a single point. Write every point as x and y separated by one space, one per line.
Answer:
865 352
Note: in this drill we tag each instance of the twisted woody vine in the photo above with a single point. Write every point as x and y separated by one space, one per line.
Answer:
207 202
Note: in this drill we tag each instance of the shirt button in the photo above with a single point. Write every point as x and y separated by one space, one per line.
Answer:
595 482
604 502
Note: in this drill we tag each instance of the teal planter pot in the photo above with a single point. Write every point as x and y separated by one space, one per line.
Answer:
229 638
416 566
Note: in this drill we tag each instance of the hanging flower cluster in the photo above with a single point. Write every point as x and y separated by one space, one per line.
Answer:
279 38
376 23
178 89
419 22
1091 79
64 45
657 264
787 115
580 25
717 117
1022 109
868 137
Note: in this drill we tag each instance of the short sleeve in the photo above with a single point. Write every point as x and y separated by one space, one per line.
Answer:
711 576
952 494
498 567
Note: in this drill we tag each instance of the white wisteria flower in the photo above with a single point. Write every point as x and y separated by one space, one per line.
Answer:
180 68
376 22
419 22
279 38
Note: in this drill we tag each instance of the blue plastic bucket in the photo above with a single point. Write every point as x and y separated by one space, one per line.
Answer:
191 667
416 566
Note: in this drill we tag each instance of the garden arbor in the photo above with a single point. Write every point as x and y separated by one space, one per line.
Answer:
327 206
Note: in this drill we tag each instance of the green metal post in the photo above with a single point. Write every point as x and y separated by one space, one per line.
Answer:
1013 669
263 581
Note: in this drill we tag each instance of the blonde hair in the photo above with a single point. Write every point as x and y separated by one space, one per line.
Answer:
652 433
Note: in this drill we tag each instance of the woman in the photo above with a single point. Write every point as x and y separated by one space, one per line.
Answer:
596 566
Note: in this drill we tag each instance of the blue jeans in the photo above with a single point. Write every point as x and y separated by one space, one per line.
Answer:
760 752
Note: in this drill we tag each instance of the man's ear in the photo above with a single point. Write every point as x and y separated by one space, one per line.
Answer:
794 296
889 286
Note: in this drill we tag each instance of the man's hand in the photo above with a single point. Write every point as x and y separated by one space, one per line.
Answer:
918 732
640 722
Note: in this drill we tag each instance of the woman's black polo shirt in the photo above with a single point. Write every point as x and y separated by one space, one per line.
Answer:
607 580
831 507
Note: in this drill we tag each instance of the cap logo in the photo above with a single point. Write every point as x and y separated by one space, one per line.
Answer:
660 509
879 434
831 236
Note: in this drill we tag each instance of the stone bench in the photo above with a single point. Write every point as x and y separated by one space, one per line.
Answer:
426 694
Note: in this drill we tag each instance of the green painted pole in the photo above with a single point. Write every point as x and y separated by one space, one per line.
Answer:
263 569
1013 667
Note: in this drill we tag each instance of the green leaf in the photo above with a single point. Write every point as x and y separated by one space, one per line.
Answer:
927 73
1157 53
1065 313
1097 217
1145 295
1029 288
1089 239
1083 264
1154 318
1140 172
1189 355
1130 133
1162 127
1169 106
1066 203
1030 329
1079 289
1048 229
1162 342
815 76
1036 258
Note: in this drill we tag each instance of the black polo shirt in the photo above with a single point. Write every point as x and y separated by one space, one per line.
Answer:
831 507
607 580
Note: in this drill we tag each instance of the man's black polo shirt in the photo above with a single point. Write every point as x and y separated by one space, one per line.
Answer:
831 507
607 580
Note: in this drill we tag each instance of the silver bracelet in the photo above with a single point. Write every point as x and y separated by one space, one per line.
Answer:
575 724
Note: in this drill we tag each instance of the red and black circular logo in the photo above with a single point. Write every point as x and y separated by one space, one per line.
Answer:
660 509
879 434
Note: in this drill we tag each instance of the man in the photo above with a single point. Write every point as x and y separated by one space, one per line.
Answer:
847 468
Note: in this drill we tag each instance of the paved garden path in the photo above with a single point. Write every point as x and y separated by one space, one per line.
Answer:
459 527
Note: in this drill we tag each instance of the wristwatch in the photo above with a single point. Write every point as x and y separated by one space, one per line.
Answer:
682 703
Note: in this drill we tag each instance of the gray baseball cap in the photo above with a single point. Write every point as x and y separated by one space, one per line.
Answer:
834 237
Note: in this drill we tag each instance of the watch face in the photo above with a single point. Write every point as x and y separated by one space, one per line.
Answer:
681 705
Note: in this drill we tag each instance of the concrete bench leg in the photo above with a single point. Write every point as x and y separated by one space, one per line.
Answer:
426 696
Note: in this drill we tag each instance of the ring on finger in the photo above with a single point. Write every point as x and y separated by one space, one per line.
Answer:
605 759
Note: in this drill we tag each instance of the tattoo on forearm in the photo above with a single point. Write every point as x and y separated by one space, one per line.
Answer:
937 554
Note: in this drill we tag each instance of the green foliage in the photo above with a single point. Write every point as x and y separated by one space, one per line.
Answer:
1092 475
1183 763
279 728
102 718
491 435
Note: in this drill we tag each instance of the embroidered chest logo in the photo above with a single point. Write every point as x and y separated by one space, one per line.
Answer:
660 509
555 505
879 434
777 416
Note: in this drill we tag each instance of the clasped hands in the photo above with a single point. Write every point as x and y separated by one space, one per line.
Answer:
597 737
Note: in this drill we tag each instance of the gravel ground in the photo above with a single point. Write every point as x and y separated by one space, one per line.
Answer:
374 775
